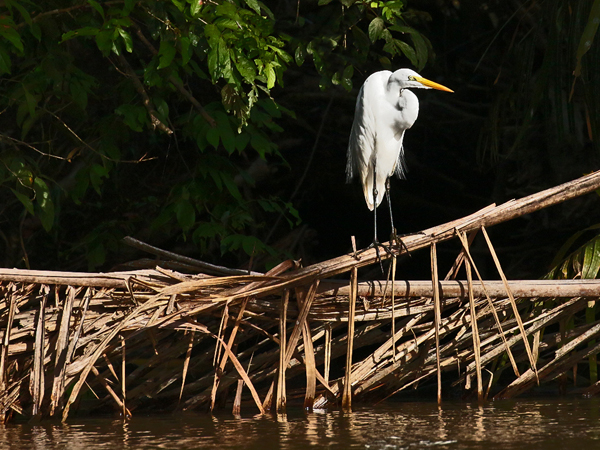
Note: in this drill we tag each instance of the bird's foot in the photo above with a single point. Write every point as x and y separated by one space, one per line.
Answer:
388 249
397 242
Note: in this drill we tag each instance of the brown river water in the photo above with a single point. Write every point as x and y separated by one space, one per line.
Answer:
565 423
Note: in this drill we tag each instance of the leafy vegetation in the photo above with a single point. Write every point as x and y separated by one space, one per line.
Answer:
145 118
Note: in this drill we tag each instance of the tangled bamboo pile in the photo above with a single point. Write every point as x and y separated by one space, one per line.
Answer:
162 339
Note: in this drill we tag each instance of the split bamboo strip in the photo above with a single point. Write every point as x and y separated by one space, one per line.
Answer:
293 340
465 244
511 298
311 369
186 364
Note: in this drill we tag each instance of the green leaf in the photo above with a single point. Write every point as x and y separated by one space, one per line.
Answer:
31 101
251 245
376 28
127 39
588 35
4 60
300 54
254 5
36 31
591 259
184 42
226 133
44 201
347 78
79 94
94 4
218 60
26 201
97 172
231 186
134 116
24 13
245 67
11 35
207 230
421 50
408 51
104 41
96 254
241 141
212 136
85 31
161 107
212 32
271 77
166 53
260 144
195 7
185 213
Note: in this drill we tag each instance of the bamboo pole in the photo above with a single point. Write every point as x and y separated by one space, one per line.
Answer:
459 288
281 394
488 216
437 318
347 395
475 332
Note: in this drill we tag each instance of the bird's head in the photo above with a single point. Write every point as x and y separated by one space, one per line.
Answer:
407 78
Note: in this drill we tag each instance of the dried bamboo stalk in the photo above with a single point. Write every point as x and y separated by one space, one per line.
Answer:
347 395
437 318
36 385
186 363
475 332
491 304
60 361
123 388
311 369
511 298
293 340
281 394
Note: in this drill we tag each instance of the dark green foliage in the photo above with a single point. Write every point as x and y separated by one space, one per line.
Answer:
143 118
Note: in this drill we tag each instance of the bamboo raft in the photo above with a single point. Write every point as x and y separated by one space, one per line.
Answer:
162 339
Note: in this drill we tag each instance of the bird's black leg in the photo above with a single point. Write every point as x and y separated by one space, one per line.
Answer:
375 243
394 238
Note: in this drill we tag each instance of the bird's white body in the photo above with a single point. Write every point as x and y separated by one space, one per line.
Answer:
385 109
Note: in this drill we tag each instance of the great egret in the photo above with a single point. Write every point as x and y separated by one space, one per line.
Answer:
385 109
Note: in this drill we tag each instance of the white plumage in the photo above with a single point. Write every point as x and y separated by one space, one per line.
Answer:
385 109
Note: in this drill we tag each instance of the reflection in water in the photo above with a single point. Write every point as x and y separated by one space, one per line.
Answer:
531 424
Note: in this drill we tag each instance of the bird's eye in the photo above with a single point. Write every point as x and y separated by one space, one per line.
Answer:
411 78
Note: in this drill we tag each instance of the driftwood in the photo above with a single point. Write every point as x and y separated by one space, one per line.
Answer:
164 339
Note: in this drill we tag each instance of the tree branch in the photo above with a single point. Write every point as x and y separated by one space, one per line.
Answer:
156 122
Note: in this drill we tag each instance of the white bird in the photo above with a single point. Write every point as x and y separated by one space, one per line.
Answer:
385 109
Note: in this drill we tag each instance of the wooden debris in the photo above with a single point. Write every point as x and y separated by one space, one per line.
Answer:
199 340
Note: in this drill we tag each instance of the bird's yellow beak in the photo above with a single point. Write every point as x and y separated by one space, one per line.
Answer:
432 84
